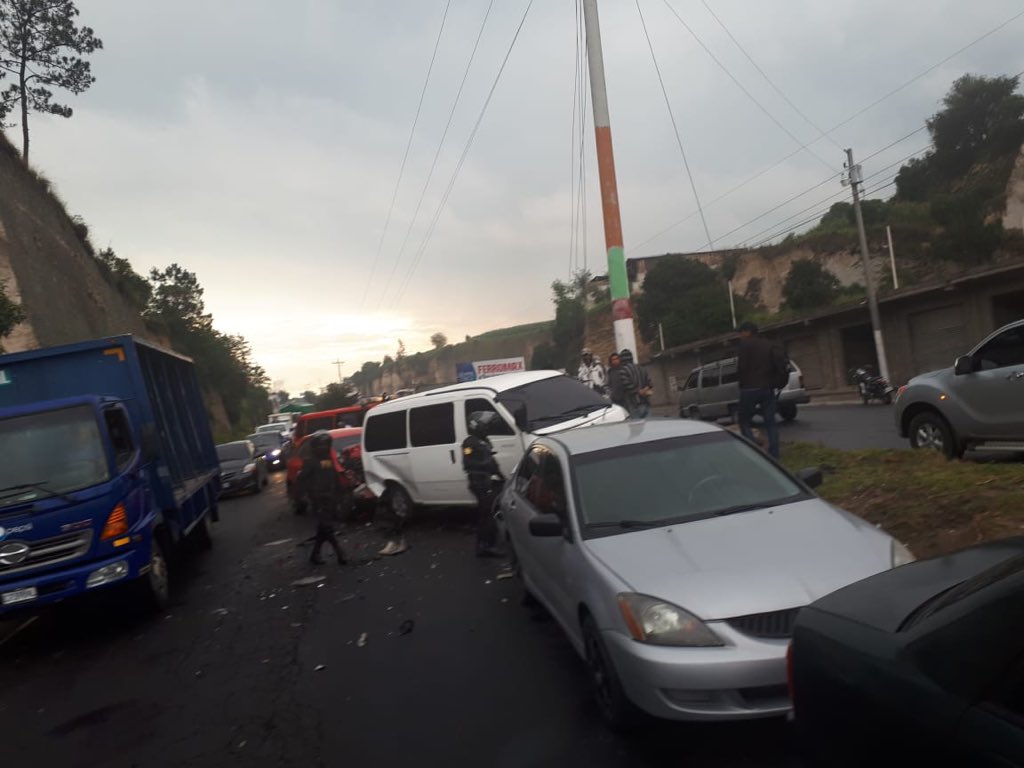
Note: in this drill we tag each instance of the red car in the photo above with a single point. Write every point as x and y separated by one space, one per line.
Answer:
348 463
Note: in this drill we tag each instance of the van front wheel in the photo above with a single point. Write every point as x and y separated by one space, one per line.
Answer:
399 503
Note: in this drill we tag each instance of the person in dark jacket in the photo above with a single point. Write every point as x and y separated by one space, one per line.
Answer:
761 365
616 386
318 481
485 479
637 386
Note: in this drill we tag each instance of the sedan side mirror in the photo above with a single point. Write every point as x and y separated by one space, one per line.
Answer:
811 477
546 525
964 365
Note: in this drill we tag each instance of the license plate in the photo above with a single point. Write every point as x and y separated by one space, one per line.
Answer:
19 596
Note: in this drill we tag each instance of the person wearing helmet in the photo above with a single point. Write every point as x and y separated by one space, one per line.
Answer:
591 372
318 481
484 477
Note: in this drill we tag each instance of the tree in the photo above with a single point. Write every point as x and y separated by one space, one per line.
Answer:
129 283
10 315
439 340
309 396
809 285
336 395
177 298
42 48
570 320
687 298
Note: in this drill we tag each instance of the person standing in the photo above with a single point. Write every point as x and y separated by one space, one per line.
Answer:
484 476
318 481
592 373
762 371
637 386
616 385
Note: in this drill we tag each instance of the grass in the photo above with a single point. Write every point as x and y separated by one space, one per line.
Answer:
932 505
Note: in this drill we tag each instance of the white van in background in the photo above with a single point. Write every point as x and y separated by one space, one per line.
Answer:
412 447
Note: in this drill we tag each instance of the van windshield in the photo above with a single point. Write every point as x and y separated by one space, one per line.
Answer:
550 401
50 453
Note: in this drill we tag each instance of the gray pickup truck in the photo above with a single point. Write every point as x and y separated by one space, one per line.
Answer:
976 404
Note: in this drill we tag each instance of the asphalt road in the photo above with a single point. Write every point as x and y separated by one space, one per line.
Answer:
847 427
246 669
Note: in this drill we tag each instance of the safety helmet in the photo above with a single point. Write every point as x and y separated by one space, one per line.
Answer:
480 422
320 443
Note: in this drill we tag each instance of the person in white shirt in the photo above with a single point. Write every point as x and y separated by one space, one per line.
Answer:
592 372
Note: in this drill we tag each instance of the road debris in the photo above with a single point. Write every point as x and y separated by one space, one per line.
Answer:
349 596
319 667
219 611
361 642
406 627
308 581
504 575
277 542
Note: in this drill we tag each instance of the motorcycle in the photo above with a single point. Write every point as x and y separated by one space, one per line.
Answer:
870 385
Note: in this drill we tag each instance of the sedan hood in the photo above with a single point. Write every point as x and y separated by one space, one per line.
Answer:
750 562
234 465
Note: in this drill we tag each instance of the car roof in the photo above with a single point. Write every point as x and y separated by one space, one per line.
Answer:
494 384
602 436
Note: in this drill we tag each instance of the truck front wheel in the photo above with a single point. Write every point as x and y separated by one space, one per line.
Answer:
155 585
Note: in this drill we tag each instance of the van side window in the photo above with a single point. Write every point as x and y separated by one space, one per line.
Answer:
385 432
710 378
691 382
120 437
499 427
432 425
730 372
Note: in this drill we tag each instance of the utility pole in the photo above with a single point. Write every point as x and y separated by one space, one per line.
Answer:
892 259
732 305
618 278
855 180
338 363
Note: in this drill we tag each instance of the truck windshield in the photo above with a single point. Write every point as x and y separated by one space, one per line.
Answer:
550 401
52 453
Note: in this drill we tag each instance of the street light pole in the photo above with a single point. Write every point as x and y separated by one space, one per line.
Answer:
618 278
855 180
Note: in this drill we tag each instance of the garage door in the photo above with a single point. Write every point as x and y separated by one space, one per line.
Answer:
937 337
805 353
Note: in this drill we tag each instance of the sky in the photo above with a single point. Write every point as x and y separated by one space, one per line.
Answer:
260 145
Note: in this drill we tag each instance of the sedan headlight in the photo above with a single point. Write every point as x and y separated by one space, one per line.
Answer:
656 622
900 554
248 468
276 452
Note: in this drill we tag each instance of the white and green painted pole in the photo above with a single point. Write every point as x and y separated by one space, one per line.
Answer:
622 311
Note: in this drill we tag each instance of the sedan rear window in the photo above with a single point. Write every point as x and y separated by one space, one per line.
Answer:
676 480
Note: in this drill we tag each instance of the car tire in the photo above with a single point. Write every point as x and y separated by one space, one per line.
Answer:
618 711
154 588
258 485
929 430
399 503
787 411
693 412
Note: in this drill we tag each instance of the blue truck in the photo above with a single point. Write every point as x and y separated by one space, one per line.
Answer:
107 464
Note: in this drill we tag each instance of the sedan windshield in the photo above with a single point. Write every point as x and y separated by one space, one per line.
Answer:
233 451
675 480
51 453
549 401
266 440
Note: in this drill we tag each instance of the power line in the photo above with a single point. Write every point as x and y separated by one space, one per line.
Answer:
462 159
804 146
405 156
675 126
767 79
792 154
437 153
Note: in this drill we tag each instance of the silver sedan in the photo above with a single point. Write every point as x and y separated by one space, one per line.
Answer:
676 556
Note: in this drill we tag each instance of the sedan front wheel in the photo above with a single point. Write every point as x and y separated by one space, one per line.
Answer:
619 712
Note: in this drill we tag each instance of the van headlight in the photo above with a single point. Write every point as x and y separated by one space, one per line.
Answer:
657 622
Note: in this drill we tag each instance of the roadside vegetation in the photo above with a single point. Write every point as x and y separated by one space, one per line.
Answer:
932 505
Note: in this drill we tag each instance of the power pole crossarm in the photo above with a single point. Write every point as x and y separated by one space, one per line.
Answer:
856 180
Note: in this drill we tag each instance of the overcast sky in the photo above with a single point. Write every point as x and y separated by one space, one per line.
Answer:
258 143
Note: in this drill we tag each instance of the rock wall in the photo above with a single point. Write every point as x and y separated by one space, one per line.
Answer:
1013 217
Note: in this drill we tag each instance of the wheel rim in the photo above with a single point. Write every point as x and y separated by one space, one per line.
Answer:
929 436
599 674
158 579
399 503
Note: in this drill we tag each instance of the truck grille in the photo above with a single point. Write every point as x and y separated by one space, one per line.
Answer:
51 551
776 624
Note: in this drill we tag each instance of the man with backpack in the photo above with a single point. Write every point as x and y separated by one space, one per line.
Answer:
763 371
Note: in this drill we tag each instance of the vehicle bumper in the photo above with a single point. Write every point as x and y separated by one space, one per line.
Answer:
795 398
67 582
237 484
737 682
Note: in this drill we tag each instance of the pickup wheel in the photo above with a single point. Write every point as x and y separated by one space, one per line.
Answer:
930 431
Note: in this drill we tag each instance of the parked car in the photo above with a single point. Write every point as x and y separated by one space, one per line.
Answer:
274 446
334 418
978 403
346 443
922 665
712 391
676 557
242 467
412 446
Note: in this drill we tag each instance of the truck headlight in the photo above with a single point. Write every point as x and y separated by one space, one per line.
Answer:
107 574
657 622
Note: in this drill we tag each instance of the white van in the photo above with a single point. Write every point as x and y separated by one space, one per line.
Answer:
412 447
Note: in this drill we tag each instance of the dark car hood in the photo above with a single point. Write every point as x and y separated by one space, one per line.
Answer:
884 601
233 465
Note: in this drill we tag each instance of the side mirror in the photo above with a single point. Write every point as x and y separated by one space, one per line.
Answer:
963 365
548 525
149 442
811 477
